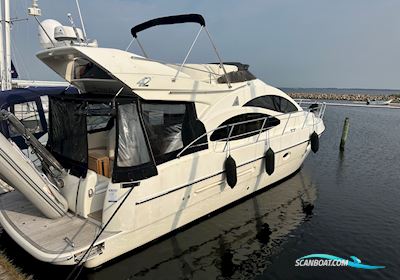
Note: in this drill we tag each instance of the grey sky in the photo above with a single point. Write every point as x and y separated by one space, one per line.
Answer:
288 43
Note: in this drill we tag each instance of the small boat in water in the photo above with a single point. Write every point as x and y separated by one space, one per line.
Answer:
144 148
378 102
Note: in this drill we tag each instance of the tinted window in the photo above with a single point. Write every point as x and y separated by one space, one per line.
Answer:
252 125
171 127
84 69
273 102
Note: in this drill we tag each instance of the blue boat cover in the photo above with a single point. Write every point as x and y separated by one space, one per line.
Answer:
16 96
31 94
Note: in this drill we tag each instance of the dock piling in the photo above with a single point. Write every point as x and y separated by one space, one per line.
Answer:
345 133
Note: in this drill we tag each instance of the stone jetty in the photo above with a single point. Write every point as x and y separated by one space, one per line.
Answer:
343 97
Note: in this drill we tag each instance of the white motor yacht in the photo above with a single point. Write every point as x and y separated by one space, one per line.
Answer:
144 148
379 102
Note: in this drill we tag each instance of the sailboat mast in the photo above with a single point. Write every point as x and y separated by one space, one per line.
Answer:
2 61
7 29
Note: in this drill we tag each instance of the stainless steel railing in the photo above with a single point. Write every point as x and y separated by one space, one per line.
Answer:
318 113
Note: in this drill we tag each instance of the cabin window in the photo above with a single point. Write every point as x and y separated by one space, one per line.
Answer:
29 116
273 102
171 127
243 126
85 69
131 140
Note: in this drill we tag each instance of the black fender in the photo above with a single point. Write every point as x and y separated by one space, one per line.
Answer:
269 161
314 139
231 172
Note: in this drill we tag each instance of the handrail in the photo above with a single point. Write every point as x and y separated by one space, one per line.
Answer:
319 115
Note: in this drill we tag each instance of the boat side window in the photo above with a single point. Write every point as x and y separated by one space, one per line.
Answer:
28 114
171 127
85 69
244 126
273 102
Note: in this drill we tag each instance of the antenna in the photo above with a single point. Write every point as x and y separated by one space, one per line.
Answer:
82 24
34 10
71 20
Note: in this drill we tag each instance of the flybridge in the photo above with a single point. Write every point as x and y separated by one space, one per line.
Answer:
106 70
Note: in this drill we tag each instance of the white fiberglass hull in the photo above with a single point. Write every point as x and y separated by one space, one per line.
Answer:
139 237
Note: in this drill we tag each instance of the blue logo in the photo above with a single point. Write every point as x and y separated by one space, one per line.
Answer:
330 260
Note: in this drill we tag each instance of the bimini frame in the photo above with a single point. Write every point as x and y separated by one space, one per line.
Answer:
195 18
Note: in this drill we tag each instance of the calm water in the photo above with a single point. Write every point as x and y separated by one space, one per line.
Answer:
341 204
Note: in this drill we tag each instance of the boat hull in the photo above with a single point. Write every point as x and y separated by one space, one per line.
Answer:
142 236
114 244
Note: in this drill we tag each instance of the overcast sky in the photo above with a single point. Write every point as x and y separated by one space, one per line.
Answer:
288 43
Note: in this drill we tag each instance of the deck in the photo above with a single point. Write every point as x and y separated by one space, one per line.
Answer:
55 236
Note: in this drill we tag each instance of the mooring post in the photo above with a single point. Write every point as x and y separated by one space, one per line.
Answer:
345 132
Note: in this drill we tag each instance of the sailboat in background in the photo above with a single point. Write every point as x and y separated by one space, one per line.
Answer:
8 72
28 99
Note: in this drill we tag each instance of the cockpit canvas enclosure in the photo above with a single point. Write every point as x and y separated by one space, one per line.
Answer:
70 120
68 134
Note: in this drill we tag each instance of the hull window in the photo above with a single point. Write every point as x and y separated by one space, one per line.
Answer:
273 102
243 126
